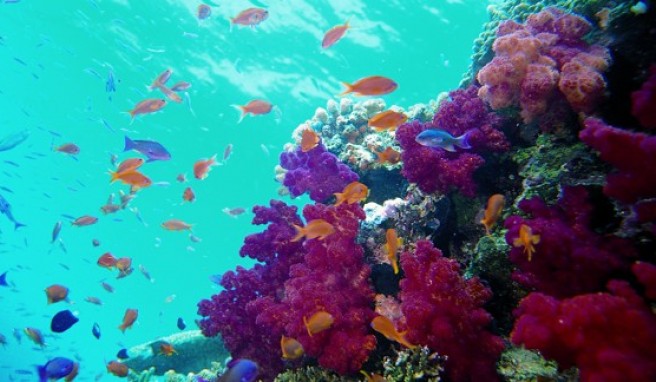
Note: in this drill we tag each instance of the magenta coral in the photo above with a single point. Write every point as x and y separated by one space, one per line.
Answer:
631 154
445 312
333 278
609 337
643 101
535 60
317 171
570 258
646 275
434 169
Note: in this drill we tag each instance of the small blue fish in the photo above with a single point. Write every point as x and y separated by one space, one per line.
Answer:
62 321
122 354
216 279
153 150
110 85
55 231
12 140
17 335
5 208
240 370
96 330
181 324
3 279
442 139
56 368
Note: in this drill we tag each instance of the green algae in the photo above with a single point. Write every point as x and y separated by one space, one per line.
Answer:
521 365
311 373
419 364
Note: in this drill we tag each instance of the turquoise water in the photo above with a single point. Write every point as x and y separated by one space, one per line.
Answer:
56 58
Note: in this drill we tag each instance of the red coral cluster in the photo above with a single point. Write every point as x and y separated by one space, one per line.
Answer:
445 312
535 60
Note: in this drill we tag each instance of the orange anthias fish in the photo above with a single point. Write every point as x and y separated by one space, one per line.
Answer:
392 245
110 207
176 225
167 349
124 266
374 85
387 120
128 319
84 221
133 178
170 94
118 369
385 326
56 293
493 211
527 240
315 229
203 166
68 148
250 17
93 300
147 106
130 164
319 322
373 377
107 260
389 155
291 349
334 34
354 192
188 195
309 140
254 107
35 335
161 79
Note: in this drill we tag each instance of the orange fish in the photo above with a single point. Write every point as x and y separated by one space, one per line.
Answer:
493 211
134 178
68 148
250 17
392 245
319 322
167 349
161 79
176 225
107 260
182 178
128 319
309 140
93 300
291 349
317 228
374 85
118 369
526 239
203 166
254 107
35 335
110 207
84 220
354 192
334 34
124 266
385 326
147 106
387 120
170 94
389 155
56 293
373 377
188 195
130 164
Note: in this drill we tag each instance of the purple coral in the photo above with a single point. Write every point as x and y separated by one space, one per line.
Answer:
435 169
445 311
317 171
570 258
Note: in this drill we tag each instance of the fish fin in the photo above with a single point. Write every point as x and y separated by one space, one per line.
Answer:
300 232
535 239
449 148
349 89
129 144
242 111
43 374
463 141
17 225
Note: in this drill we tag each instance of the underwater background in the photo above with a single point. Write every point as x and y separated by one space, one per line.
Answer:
71 71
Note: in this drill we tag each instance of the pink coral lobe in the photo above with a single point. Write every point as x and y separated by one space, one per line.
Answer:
643 101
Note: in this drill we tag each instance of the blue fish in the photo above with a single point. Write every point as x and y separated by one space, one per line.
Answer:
13 140
3 279
181 323
62 321
153 150
240 370
442 139
5 208
122 354
55 231
96 330
56 368
110 85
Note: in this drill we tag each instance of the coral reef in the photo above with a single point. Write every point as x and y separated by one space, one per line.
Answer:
518 365
419 364
312 373
445 312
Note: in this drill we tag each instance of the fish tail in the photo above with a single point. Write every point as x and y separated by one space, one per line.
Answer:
242 111
300 232
349 89
340 198
43 374
463 141
129 144
17 225
114 175
121 328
